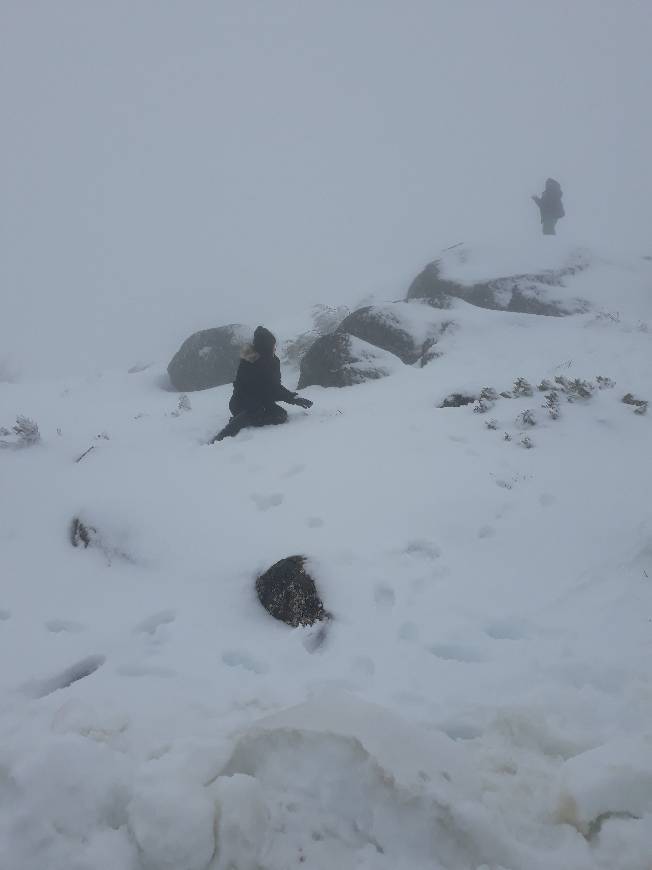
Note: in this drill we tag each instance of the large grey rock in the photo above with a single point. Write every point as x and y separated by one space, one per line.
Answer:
525 293
342 360
325 319
208 358
407 331
288 593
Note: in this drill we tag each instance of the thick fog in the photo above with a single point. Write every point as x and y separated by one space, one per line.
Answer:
168 166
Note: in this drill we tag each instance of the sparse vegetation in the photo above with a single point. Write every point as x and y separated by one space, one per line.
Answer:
24 433
639 405
522 388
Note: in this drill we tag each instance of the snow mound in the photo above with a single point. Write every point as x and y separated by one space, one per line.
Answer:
611 781
346 783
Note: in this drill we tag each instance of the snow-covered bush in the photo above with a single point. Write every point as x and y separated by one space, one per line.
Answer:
640 405
488 394
522 387
574 389
25 433
526 418
551 405
184 404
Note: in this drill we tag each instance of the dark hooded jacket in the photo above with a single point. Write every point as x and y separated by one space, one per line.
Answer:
549 202
258 382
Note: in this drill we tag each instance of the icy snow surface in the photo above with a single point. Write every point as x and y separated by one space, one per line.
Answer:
483 695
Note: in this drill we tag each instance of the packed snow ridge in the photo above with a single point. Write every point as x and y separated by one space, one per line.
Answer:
475 512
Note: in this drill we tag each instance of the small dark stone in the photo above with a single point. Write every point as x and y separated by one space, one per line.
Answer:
288 593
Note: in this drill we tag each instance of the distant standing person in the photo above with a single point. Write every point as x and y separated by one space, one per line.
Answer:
257 388
550 206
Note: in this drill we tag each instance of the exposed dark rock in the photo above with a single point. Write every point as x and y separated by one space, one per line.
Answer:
288 593
457 400
341 360
208 358
525 293
25 433
384 327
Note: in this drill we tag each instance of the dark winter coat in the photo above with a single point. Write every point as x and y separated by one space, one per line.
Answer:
550 204
258 382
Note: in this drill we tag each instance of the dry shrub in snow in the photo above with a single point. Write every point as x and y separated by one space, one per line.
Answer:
640 405
25 433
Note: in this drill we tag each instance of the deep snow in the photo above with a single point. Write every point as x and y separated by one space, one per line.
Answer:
483 697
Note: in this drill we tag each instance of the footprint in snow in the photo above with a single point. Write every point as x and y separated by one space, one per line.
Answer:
239 659
506 629
422 548
363 666
72 674
409 631
265 502
152 623
546 499
452 652
4 615
461 730
58 626
384 596
144 671
293 470
315 522
486 532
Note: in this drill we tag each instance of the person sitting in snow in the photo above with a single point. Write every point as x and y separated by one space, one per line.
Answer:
550 206
257 388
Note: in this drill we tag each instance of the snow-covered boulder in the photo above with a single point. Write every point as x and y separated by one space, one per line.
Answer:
288 593
341 360
407 331
528 293
325 319
208 358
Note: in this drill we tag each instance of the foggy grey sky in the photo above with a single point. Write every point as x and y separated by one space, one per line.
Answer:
168 166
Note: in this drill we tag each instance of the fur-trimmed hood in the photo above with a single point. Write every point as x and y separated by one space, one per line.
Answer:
249 353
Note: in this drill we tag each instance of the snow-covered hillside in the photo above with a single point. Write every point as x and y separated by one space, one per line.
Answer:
483 694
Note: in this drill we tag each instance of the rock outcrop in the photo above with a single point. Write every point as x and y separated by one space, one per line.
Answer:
208 358
342 360
526 293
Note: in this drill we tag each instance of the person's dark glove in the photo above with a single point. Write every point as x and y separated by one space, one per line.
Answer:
302 403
